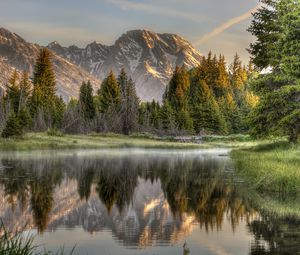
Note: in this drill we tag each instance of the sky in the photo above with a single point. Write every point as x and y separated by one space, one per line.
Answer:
216 25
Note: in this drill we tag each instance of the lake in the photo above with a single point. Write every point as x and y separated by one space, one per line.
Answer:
140 201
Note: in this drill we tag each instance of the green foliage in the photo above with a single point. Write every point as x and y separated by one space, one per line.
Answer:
167 116
205 110
130 104
231 113
12 127
276 26
13 91
24 118
109 93
177 95
86 101
177 90
43 97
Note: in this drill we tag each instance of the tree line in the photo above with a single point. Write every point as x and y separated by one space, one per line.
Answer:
209 99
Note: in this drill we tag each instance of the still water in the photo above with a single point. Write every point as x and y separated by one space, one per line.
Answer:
131 201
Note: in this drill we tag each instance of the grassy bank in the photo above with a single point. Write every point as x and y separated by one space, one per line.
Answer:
38 141
34 141
270 167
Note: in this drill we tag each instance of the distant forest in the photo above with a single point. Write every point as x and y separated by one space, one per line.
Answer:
209 99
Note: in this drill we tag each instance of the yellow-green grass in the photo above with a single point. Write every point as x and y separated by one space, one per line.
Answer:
34 141
56 140
270 167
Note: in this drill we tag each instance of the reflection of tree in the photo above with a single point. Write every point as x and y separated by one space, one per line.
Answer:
85 181
22 178
42 188
282 236
15 185
116 184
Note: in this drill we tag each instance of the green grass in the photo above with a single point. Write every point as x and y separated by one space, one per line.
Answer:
33 141
270 167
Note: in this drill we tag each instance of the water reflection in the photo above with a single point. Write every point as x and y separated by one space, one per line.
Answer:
143 197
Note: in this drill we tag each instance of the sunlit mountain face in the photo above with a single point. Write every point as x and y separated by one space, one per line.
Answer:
138 201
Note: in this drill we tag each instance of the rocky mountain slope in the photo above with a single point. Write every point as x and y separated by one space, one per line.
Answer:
16 53
149 58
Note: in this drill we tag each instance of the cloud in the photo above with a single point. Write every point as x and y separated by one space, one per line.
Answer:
153 9
228 24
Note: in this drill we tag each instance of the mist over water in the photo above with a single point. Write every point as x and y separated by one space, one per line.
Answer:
131 201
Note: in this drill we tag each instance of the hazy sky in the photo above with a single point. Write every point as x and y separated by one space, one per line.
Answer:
217 25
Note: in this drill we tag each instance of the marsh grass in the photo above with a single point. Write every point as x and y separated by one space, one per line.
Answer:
270 167
52 140
16 243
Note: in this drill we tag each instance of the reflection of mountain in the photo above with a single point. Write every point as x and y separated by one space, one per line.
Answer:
143 199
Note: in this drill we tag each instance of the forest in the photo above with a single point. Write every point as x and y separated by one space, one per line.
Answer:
209 99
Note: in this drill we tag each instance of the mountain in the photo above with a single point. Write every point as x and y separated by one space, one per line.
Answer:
147 57
16 53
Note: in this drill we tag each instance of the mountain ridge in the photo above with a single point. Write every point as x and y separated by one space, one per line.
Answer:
148 57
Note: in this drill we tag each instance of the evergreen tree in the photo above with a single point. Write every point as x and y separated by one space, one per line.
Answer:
59 110
24 118
130 106
153 109
25 90
13 91
86 102
204 110
231 113
177 94
122 81
17 95
276 26
12 127
109 94
222 83
238 79
43 97
167 116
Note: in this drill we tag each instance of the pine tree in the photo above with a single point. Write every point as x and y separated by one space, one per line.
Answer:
17 95
12 127
177 94
25 90
231 113
205 110
222 83
167 116
276 26
130 106
24 118
122 81
109 94
13 91
86 101
43 97
153 109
